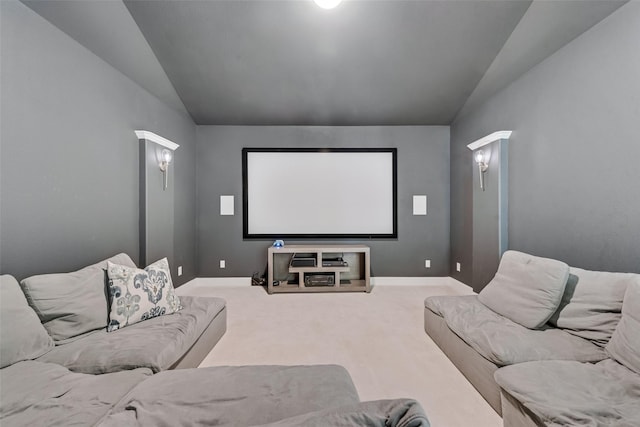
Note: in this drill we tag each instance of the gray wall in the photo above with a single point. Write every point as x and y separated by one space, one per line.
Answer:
69 167
423 168
574 187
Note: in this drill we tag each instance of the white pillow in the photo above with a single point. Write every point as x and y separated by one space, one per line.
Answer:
526 289
138 295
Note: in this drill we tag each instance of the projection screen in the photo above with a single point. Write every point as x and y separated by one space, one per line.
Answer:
319 193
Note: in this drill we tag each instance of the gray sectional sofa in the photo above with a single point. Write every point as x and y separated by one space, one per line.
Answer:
537 342
59 367
73 308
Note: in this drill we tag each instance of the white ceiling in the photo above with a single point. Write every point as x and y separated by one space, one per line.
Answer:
288 62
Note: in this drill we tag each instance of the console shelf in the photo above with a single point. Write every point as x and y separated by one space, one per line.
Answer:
353 277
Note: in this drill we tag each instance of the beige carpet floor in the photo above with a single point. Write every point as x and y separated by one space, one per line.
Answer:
379 337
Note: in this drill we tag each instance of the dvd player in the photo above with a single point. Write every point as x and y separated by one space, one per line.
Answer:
334 263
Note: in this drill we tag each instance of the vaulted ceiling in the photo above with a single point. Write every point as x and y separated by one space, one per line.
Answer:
288 62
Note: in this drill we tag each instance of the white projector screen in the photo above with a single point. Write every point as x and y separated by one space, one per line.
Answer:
315 193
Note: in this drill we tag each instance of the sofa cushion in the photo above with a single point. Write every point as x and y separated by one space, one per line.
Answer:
566 393
72 304
625 342
592 303
138 295
526 289
235 395
45 394
22 336
155 343
505 342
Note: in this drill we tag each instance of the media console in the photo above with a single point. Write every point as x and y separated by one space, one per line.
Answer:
318 268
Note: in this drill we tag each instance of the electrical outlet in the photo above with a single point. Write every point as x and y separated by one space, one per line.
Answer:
223 264
427 263
179 270
458 267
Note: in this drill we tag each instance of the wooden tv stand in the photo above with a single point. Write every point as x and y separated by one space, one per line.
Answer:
353 277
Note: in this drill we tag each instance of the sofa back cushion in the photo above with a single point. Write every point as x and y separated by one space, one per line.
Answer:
592 303
72 304
22 336
526 289
624 346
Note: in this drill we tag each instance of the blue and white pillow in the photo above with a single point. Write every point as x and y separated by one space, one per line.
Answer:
138 295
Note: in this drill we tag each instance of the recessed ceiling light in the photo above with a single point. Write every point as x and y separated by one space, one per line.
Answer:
327 4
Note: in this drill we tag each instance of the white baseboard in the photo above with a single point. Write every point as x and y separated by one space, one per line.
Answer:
199 282
409 281
222 281
375 281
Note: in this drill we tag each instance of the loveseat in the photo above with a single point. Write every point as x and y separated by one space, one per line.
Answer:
93 378
538 320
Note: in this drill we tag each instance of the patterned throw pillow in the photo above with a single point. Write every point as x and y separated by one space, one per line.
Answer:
138 295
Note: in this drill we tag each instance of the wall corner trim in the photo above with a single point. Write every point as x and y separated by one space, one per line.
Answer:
150 136
496 136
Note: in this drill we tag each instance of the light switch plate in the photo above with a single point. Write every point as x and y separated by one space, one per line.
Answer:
419 205
226 205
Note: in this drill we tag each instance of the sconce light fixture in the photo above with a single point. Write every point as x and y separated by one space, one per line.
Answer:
164 166
482 157
165 156
483 164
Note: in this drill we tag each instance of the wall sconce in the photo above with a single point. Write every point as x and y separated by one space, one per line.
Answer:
483 164
481 157
165 156
164 166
